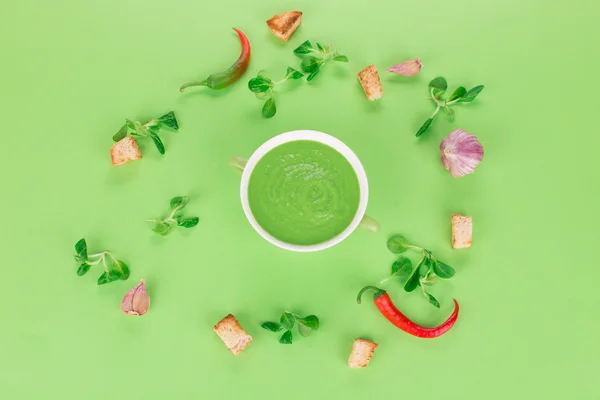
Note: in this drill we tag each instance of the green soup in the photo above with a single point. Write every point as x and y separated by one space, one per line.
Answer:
303 192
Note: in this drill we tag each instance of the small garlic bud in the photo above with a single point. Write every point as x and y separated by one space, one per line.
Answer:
407 68
461 152
136 301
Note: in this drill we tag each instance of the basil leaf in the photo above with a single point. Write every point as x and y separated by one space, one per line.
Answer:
312 75
178 201
310 321
121 133
397 244
471 94
291 73
304 330
439 83
458 93
424 127
157 142
259 84
340 58
83 269
402 268
413 282
81 249
162 228
304 48
310 64
169 120
271 326
269 109
188 222
286 338
443 270
124 270
287 320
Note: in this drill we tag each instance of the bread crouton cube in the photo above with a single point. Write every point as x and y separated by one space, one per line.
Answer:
462 231
362 351
125 150
284 25
369 79
232 334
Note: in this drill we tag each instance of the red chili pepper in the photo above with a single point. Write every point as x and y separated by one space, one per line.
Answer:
386 307
221 80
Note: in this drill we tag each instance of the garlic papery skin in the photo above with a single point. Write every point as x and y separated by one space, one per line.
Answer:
407 68
136 301
460 152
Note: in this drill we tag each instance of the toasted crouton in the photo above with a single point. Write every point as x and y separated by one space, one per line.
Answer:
125 150
231 333
462 231
362 351
284 25
369 79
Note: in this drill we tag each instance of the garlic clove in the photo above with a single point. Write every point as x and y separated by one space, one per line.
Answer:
407 68
136 301
460 153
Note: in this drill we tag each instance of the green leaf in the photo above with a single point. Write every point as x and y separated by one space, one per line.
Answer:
81 249
269 109
402 268
271 326
424 267
443 270
304 48
424 127
162 228
397 244
169 120
433 300
286 338
260 84
108 277
439 83
130 124
304 330
310 321
124 270
321 48
413 282
287 320
471 94
157 142
311 64
178 202
83 269
188 222
312 75
121 133
291 73
458 93
340 58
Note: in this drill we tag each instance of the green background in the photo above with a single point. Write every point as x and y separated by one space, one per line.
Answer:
73 70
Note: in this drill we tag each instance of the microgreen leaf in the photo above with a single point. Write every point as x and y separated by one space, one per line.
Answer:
81 249
83 269
124 270
260 84
304 48
269 109
450 113
413 282
458 93
291 73
312 75
397 244
287 320
304 330
286 338
108 277
169 120
424 267
402 268
321 48
439 83
157 142
424 127
121 133
178 202
340 58
271 326
311 321
433 300
188 222
471 94
443 270
130 124
162 228
311 64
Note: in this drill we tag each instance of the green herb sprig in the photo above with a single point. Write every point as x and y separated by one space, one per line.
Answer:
163 225
314 58
437 87
426 272
262 86
287 321
114 269
149 129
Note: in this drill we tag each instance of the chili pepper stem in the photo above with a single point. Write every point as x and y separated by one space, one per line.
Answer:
196 83
378 293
